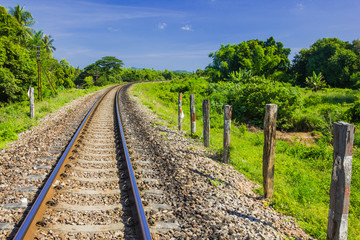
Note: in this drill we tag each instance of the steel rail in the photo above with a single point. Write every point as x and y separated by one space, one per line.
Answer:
145 231
39 204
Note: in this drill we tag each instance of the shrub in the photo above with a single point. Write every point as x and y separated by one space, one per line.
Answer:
253 97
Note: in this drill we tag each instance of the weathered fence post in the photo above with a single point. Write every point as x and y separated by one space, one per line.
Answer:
269 149
32 104
227 126
192 114
180 112
340 181
206 122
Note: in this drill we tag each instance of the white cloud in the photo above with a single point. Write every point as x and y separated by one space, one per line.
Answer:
300 6
186 28
162 25
111 29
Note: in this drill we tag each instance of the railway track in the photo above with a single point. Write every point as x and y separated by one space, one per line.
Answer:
92 192
185 194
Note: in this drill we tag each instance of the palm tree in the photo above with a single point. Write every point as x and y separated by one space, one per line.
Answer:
37 39
24 18
48 44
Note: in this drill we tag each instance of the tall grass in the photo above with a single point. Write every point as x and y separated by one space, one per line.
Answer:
302 173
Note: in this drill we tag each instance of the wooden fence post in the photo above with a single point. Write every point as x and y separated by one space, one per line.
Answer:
206 122
180 112
269 149
227 126
32 100
192 114
340 181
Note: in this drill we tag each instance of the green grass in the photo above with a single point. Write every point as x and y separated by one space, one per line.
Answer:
302 173
15 118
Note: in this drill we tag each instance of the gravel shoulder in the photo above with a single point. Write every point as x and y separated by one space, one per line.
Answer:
211 200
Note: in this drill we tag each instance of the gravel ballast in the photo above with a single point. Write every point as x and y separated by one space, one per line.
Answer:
209 200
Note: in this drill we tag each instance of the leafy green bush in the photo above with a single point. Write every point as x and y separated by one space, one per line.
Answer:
253 97
222 93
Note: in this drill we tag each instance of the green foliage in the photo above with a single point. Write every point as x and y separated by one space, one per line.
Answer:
316 82
24 18
9 26
18 57
254 96
262 58
321 109
190 85
354 112
241 76
102 71
249 100
8 86
109 70
336 59
89 81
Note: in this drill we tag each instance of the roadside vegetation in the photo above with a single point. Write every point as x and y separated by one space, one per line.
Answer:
302 169
317 89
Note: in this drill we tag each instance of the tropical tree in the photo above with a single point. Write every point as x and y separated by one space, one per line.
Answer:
48 44
37 39
109 65
25 19
316 82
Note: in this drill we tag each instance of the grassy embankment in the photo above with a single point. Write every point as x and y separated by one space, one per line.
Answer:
302 173
15 118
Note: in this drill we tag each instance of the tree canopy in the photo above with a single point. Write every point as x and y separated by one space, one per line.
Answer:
337 60
25 19
261 57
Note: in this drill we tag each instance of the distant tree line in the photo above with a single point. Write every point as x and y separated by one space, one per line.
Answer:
329 61
109 70
19 46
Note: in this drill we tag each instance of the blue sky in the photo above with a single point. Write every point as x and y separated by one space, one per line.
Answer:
180 34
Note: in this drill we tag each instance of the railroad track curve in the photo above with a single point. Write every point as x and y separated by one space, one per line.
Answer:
92 192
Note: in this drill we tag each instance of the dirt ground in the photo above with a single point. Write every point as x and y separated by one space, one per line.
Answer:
308 138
